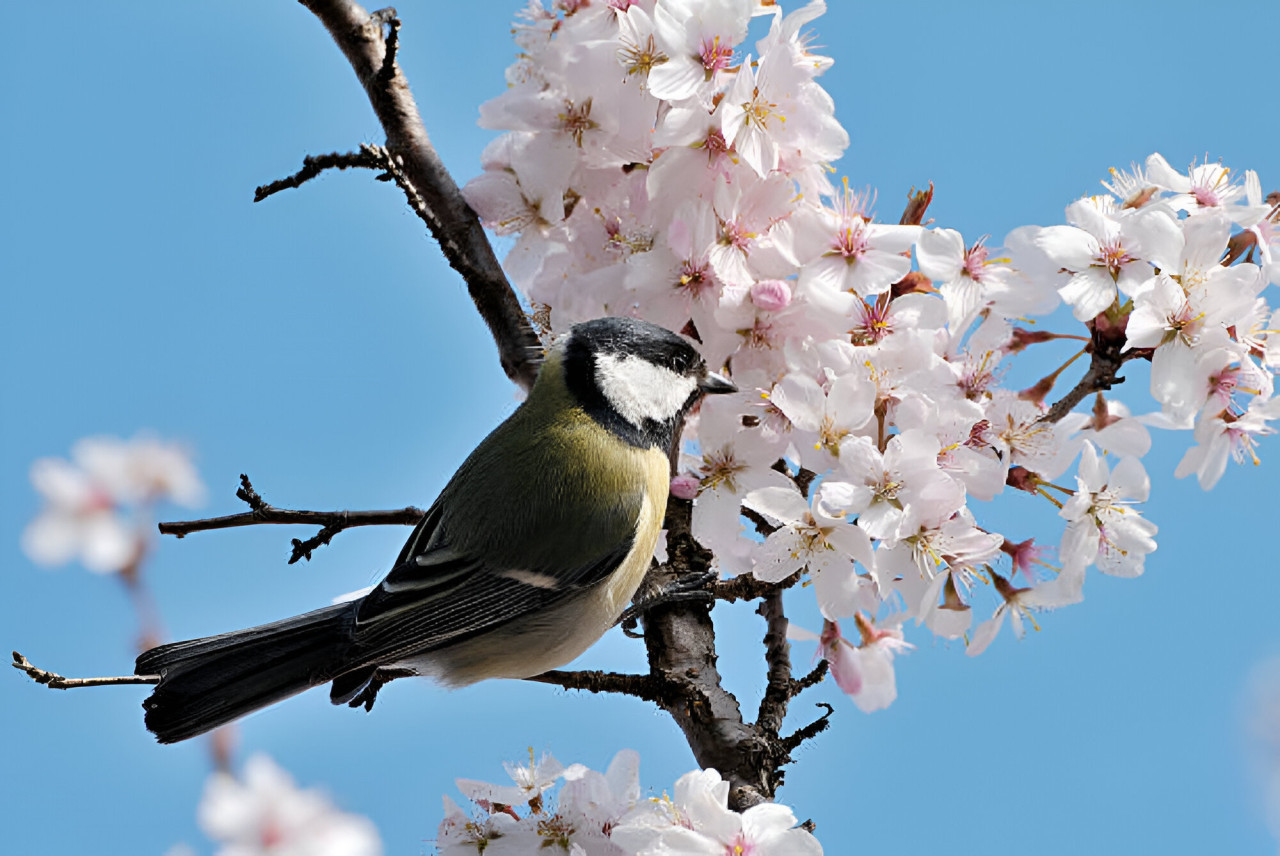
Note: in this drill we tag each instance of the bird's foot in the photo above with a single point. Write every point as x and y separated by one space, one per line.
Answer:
366 694
692 587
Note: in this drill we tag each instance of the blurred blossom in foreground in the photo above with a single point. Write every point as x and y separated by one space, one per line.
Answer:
95 502
264 812
1265 725
602 814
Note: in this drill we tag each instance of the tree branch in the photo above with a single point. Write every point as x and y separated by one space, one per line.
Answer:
387 71
680 639
455 226
332 522
763 526
313 165
1106 359
747 587
646 687
810 731
54 681
777 654
812 679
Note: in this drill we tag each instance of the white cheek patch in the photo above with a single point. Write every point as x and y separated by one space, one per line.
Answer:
640 390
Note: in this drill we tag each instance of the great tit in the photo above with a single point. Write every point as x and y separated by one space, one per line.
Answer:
531 552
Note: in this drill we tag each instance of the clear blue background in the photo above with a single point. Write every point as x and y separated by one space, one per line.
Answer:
318 342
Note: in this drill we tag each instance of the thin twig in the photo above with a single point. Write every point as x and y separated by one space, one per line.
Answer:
763 526
388 17
313 165
262 512
812 679
747 587
813 729
777 654
1102 374
644 687
54 681
802 477
804 480
247 494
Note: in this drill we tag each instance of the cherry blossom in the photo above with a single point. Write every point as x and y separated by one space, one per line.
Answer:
698 39
94 503
577 810
1102 524
264 812
969 277
1205 187
1017 604
530 781
864 671
696 821
808 540
1107 250
1222 435
652 164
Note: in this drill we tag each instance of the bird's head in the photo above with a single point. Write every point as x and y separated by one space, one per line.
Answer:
637 378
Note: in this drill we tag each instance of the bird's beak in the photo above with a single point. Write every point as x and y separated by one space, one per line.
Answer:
714 384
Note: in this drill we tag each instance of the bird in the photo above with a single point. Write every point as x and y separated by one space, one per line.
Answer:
531 552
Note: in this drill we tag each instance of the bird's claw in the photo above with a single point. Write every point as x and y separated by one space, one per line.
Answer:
692 587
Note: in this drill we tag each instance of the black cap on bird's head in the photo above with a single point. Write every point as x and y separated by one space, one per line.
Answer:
636 378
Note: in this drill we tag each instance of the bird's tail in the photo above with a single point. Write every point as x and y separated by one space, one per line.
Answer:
209 682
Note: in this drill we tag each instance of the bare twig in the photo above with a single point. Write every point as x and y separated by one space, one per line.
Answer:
747 587
332 522
645 687
811 730
451 220
777 654
54 681
249 495
802 477
763 526
1106 359
814 678
313 165
388 69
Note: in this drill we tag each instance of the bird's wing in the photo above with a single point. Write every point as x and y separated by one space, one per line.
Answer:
439 593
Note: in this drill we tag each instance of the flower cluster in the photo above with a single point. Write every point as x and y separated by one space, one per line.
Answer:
603 814
93 502
656 165
1155 256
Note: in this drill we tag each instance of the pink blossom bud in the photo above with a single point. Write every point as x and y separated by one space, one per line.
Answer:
840 660
913 283
1022 338
771 294
685 486
1023 479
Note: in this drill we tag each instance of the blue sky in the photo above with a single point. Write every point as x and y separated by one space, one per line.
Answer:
319 343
